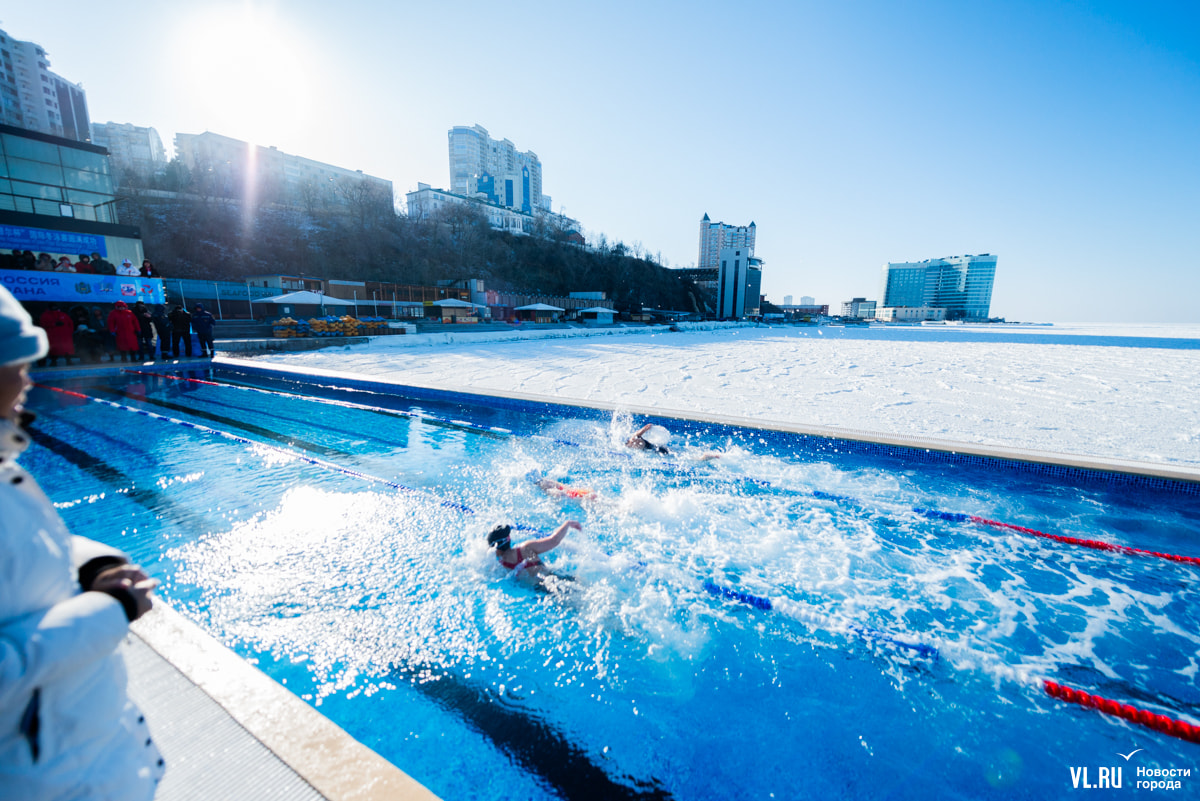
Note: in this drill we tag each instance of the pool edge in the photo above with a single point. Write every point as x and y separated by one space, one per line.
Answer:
318 750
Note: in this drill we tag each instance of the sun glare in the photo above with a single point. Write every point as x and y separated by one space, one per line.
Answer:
245 72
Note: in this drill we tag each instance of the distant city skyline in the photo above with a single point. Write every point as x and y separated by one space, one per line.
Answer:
1060 135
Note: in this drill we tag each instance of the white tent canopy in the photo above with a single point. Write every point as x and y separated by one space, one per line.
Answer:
455 303
597 310
539 307
306 298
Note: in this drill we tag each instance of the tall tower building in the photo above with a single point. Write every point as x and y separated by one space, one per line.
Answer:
496 169
962 285
36 99
716 236
739 278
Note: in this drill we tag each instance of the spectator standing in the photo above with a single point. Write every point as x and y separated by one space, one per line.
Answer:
124 327
70 730
105 342
88 343
60 330
84 265
145 331
202 324
148 270
127 268
79 316
44 263
181 330
162 326
101 266
64 265
26 261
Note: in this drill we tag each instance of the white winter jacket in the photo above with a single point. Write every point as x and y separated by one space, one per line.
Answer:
67 729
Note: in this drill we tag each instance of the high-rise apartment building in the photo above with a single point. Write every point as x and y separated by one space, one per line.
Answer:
36 99
233 168
132 150
716 236
480 165
962 285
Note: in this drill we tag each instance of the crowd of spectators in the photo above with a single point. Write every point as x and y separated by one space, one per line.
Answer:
93 264
120 332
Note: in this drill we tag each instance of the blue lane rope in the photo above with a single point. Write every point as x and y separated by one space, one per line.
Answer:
799 612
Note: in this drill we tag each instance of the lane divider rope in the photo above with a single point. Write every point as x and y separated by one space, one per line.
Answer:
797 611
1098 545
1143 717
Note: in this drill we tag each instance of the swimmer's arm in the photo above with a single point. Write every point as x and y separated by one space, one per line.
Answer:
551 542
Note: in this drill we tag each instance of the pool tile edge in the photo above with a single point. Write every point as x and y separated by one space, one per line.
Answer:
318 750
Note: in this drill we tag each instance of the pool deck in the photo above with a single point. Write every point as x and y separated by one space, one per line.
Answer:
228 731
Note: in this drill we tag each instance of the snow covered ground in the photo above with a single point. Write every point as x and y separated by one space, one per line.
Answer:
1124 392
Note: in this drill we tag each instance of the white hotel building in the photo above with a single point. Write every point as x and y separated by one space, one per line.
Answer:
427 203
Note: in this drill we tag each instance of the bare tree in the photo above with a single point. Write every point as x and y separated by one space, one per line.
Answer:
365 200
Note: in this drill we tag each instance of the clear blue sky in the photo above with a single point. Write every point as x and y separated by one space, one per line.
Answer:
1062 136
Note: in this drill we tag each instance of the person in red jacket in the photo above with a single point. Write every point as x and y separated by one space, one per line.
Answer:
125 327
60 330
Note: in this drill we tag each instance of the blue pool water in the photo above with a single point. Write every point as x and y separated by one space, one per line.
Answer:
336 539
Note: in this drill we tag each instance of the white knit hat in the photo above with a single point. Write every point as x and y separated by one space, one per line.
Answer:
20 340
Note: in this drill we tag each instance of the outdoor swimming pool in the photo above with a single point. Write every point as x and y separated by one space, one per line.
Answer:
341 548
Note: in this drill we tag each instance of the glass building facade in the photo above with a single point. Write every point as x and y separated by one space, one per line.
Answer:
49 175
962 285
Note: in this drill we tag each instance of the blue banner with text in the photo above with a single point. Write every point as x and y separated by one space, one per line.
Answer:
34 285
39 240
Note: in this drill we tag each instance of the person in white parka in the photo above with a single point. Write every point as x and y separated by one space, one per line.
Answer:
67 728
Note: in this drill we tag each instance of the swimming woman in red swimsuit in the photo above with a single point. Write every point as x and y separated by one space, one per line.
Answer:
525 556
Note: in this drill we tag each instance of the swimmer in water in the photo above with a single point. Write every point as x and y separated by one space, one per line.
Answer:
527 555
557 489
639 442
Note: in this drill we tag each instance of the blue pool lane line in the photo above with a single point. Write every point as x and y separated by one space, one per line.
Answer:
246 441
796 611
493 431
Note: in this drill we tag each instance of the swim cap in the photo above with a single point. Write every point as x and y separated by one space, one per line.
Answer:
499 537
